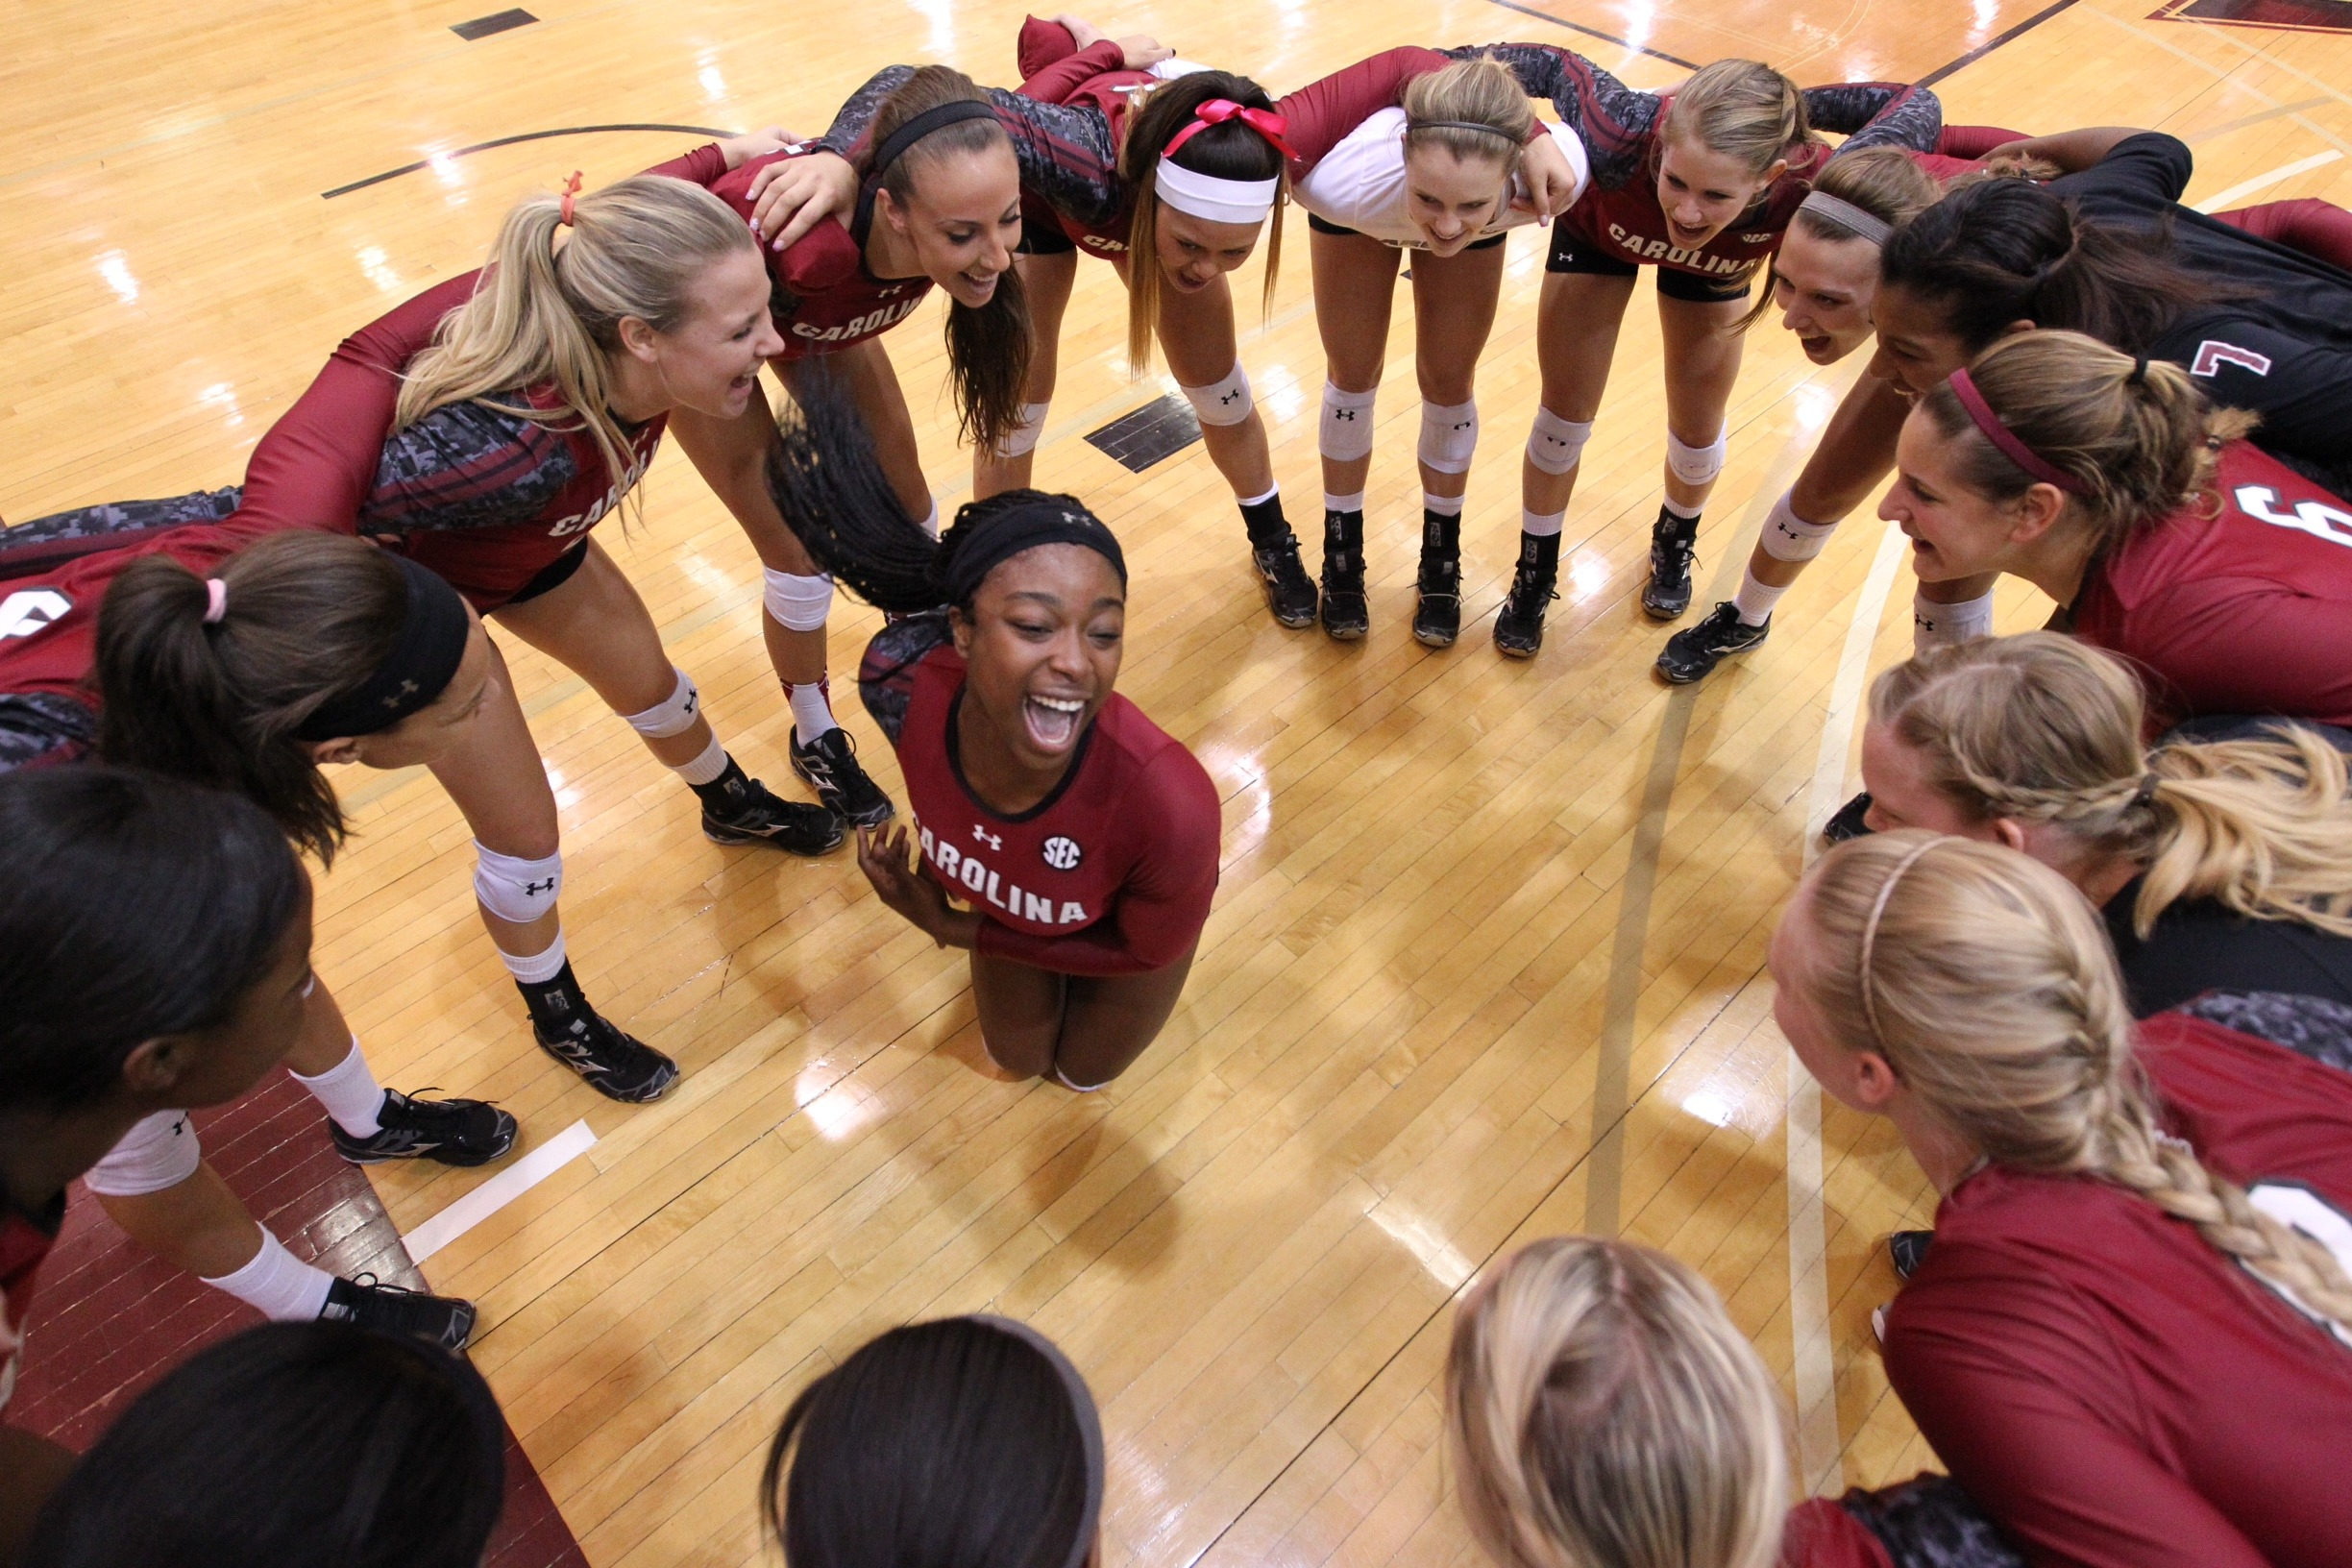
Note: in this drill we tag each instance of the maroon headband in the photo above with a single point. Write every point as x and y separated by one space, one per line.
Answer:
2011 448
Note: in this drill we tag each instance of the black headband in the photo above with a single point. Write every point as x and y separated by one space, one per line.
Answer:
1410 126
1021 527
1090 1426
421 662
894 145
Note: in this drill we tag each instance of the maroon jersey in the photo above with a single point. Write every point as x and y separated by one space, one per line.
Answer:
2240 603
1961 149
25 1239
1112 874
824 298
2109 1388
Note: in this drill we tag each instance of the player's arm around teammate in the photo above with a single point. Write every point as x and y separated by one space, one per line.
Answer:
1082 838
1440 176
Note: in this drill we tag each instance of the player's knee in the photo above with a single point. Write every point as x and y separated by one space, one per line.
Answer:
158 1152
1022 438
1556 445
1227 402
515 889
673 715
1449 435
1789 537
1695 465
1346 433
796 601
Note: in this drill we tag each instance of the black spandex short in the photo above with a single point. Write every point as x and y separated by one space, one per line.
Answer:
1322 228
551 576
1042 234
1571 254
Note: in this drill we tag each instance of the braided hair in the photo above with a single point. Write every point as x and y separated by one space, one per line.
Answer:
1987 983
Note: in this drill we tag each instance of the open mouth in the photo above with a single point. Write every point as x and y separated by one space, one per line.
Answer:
1185 283
981 283
1688 237
1816 347
1052 721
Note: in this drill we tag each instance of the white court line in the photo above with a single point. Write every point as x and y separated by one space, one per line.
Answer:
1819 1444
498 1192
2262 182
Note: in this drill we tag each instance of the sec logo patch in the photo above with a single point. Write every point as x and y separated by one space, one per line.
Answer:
1061 853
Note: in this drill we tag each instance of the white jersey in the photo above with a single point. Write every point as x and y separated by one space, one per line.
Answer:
1359 183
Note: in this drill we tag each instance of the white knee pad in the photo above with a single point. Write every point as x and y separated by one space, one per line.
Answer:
1347 424
514 890
1449 435
159 1151
1228 403
675 715
795 603
1788 537
1695 465
1022 438
1556 445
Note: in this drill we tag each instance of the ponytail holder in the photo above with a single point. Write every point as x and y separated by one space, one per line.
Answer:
2036 466
216 601
1218 110
570 190
2145 794
2139 374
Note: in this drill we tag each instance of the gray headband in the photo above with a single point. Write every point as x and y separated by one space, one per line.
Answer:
1090 1426
1847 217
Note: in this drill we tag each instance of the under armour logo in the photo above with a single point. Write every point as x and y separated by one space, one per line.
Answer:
23 614
1228 396
532 889
2213 354
992 841
1061 853
1348 414
407 689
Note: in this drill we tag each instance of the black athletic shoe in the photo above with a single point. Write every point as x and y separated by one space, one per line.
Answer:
1908 1249
1437 610
1674 544
1519 624
390 1308
1346 614
1291 593
446 1132
1693 652
738 809
618 1066
829 766
1847 822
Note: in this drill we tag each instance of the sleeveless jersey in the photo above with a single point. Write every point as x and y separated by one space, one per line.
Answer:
1112 873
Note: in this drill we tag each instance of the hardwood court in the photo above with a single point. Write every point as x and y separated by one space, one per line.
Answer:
1485 961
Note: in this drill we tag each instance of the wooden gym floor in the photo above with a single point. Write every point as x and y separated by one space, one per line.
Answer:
1485 964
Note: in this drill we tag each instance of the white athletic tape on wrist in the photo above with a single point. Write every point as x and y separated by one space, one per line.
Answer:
1695 465
1449 435
515 890
1347 424
795 603
1227 402
1556 445
159 1151
1788 537
673 715
1022 439
1936 626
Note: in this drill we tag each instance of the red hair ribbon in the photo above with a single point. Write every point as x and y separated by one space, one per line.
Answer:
570 190
2036 466
1218 110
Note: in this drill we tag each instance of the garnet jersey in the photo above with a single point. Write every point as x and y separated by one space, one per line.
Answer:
1619 215
2108 1386
25 1239
1961 149
1109 874
2240 602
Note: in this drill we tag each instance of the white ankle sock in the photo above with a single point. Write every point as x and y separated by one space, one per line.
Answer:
278 1285
1756 600
536 969
1685 513
705 767
350 1092
812 711
1445 505
1343 504
1543 525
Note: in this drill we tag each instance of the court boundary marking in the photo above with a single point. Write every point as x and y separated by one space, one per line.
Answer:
1988 45
1596 33
509 141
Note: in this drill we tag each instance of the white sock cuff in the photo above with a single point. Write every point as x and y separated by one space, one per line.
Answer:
812 711
349 1092
1788 537
536 969
1346 430
1259 500
798 602
278 1285
1443 506
1556 445
708 764
1543 525
1343 504
1756 600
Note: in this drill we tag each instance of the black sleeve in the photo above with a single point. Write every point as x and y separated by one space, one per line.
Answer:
1929 1522
1611 119
1877 114
848 126
2302 390
2312 1026
42 726
1065 154
45 542
2145 173
886 675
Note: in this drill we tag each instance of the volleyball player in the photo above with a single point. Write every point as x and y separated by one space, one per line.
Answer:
1699 184
2224 577
2135 1316
1082 840
2219 865
962 1440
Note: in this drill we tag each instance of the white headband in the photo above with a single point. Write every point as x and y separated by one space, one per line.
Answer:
1847 217
1219 201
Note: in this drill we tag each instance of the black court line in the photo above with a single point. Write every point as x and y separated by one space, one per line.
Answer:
483 26
509 141
1596 33
1983 49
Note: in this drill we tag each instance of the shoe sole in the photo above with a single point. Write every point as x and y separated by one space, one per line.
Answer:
1509 652
731 837
439 1155
1345 634
875 816
1659 612
1434 639
1294 622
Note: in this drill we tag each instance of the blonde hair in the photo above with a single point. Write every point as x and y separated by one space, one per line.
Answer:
1987 983
2043 728
1231 151
1479 91
1742 110
1881 181
2136 434
544 316
1601 1412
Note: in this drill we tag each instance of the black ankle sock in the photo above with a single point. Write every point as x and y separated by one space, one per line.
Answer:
728 793
1343 535
1264 520
556 1004
1441 533
1540 553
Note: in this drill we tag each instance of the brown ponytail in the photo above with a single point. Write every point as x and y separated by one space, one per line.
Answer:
309 617
1231 151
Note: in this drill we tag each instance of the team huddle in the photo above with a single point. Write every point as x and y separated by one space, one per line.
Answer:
2086 940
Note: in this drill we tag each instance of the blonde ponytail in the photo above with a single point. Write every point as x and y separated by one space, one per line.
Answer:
2041 728
1988 985
547 316
1742 110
